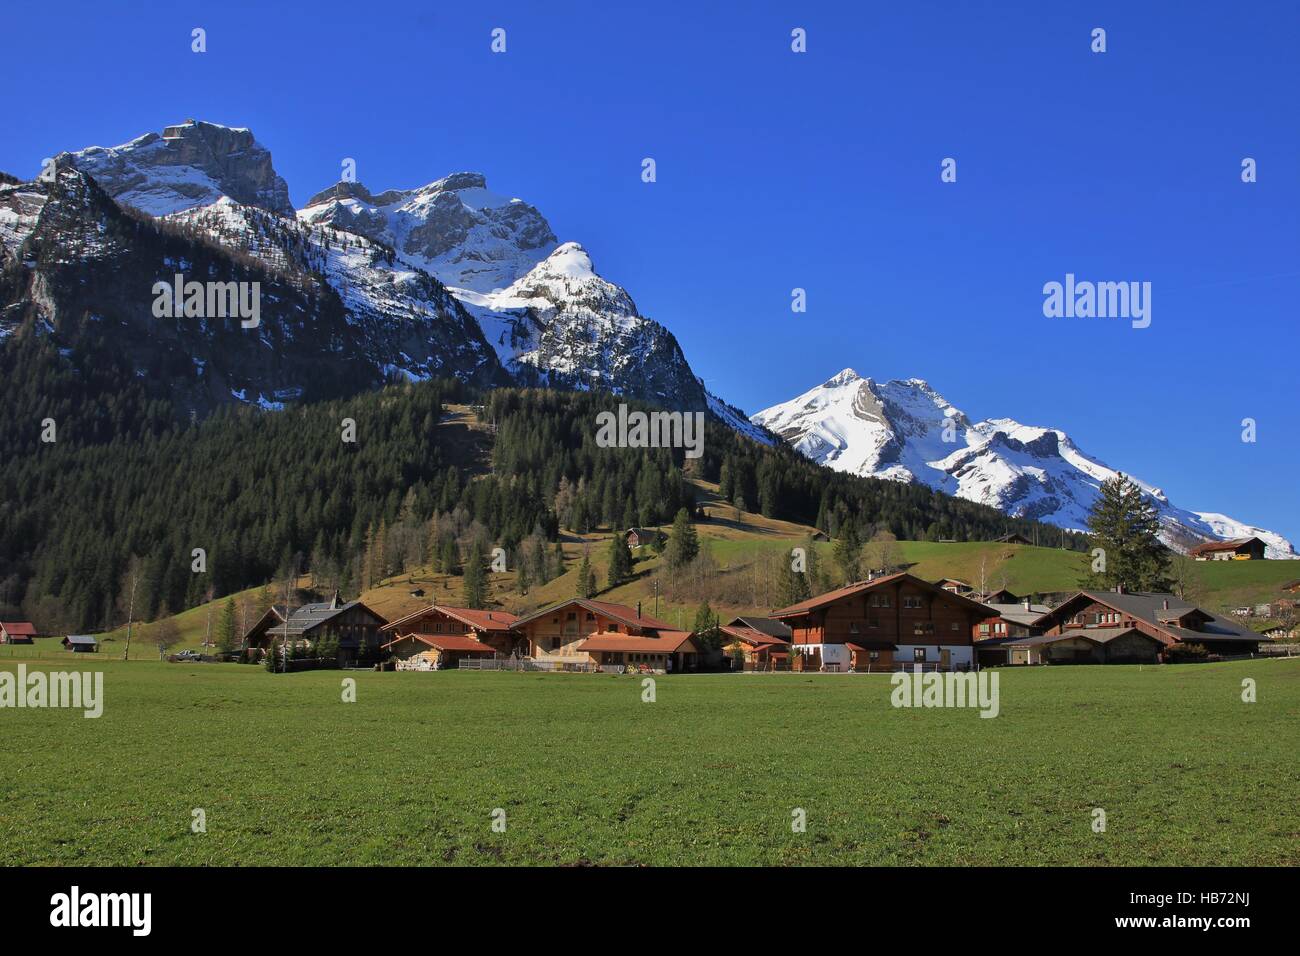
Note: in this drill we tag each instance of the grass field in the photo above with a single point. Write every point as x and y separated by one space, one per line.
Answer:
707 774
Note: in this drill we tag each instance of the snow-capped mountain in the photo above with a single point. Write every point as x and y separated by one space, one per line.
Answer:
446 279
907 431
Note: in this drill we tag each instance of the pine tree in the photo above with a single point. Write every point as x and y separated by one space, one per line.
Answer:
226 627
683 543
706 627
620 561
1125 527
475 585
586 578
848 555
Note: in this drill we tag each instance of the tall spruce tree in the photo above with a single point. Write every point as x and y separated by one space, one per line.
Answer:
1125 528
586 578
620 561
475 585
683 543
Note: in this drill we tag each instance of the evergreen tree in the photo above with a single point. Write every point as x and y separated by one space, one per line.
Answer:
475 586
683 543
226 627
586 578
706 627
1125 526
620 561
848 555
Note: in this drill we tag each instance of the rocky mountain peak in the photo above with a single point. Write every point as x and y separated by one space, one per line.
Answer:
187 165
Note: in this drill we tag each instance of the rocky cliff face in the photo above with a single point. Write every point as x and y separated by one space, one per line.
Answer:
189 165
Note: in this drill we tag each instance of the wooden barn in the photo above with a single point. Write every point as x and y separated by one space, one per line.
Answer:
897 620
17 632
643 537
81 643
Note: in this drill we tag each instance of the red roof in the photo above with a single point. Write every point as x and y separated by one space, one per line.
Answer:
446 642
18 628
668 642
858 587
1212 546
478 620
751 636
617 612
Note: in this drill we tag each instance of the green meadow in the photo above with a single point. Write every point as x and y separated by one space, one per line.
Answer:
709 773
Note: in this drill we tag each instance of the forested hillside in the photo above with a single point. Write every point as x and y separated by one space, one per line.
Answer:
261 492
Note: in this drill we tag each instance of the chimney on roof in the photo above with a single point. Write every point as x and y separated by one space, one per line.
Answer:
1028 605
1166 604
334 601
638 610
1119 589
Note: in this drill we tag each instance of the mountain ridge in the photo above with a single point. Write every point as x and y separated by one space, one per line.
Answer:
905 430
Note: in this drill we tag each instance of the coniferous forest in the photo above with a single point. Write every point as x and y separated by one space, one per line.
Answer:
262 492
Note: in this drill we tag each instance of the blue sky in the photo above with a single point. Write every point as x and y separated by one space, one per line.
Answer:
819 171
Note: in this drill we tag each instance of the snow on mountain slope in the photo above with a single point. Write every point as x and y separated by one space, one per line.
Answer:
906 431
454 228
190 165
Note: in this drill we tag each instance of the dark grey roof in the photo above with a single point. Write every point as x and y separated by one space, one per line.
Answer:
766 626
81 639
1150 607
303 619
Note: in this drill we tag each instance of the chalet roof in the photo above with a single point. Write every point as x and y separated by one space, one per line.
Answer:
752 636
860 587
445 642
308 617
1150 608
1233 544
643 532
617 612
666 642
83 639
19 628
1018 614
479 620
764 625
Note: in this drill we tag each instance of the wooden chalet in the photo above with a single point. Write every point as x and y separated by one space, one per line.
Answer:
762 643
641 537
1013 538
1167 618
440 636
955 586
610 636
17 632
1100 645
884 623
1238 549
355 627
81 643
1007 623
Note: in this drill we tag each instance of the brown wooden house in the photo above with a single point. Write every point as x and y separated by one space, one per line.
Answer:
762 643
1166 617
897 620
1238 549
441 635
584 633
355 627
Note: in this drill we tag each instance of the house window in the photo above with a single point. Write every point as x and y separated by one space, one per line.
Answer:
912 602
573 616
954 626
918 654
984 629
556 644
853 627
873 655
884 600
924 628
590 616
875 600
873 622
